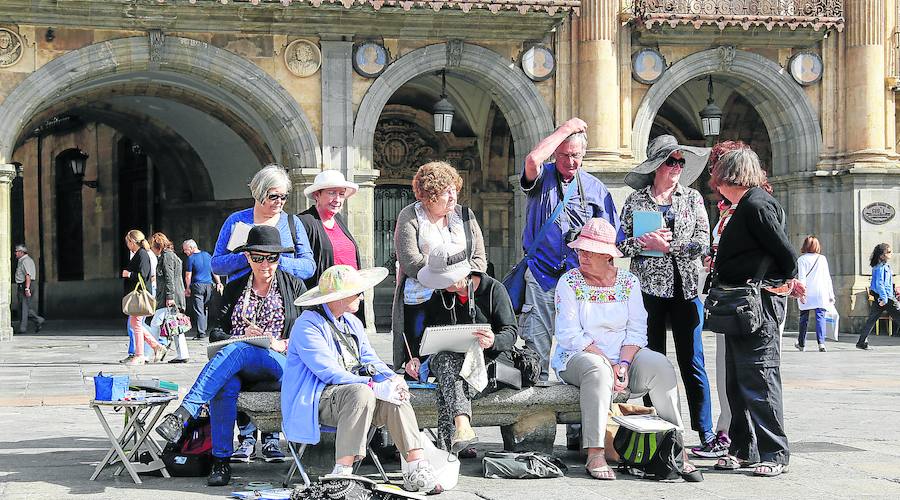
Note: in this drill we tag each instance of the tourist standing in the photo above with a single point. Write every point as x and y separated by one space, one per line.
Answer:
813 272
26 290
199 282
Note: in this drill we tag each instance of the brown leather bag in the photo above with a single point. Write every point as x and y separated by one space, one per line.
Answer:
139 302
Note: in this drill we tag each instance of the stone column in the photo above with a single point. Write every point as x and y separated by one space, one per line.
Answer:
337 103
360 213
598 79
301 178
7 174
866 93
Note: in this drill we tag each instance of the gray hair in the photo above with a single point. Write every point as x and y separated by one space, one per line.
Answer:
21 248
190 244
740 167
270 176
578 137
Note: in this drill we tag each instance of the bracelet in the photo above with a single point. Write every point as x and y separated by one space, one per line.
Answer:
627 363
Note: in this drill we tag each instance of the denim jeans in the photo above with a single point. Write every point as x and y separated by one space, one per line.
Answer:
820 326
219 383
686 318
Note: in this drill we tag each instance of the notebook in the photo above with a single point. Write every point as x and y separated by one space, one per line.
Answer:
239 233
263 341
451 338
644 423
646 222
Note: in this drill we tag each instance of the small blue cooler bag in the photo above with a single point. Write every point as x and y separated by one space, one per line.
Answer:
110 388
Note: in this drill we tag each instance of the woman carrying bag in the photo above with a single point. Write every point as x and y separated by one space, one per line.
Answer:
135 304
812 271
169 291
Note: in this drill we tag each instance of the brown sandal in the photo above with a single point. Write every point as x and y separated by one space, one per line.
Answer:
604 472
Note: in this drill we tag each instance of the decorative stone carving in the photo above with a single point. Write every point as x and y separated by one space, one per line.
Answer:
370 59
400 148
878 213
302 58
157 39
725 53
806 68
454 53
11 47
538 63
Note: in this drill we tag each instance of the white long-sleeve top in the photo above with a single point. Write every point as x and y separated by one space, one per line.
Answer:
608 317
812 271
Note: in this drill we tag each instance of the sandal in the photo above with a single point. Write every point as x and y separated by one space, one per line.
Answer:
730 462
691 473
769 469
604 472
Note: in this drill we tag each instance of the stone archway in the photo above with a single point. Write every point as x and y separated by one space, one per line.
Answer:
793 125
526 112
216 74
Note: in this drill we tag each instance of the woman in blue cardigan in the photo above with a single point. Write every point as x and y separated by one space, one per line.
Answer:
882 287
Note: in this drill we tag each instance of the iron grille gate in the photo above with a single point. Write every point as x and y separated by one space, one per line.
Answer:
389 200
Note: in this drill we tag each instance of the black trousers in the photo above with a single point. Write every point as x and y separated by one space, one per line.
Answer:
753 383
684 316
875 312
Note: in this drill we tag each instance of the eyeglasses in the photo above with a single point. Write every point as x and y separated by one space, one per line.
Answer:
674 162
276 196
572 156
272 258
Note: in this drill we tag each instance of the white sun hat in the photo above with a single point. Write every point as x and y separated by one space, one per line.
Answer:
331 179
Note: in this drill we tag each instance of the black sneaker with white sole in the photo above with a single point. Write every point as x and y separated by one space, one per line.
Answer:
272 453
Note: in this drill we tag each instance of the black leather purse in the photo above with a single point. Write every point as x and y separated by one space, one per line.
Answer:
736 310
502 374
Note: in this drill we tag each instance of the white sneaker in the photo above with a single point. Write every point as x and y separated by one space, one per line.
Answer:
244 452
822 348
135 361
422 479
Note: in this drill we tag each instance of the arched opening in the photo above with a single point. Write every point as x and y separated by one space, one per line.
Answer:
173 132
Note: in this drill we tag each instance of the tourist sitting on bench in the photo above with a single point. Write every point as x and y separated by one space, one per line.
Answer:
601 329
259 303
334 378
463 298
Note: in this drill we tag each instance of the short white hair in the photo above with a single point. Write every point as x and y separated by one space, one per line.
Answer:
21 248
577 137
189 243
270 176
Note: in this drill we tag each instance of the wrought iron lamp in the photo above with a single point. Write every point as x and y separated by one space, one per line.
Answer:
711 115
77 162
443 110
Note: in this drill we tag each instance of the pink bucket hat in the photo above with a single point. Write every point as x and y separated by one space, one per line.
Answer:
597 236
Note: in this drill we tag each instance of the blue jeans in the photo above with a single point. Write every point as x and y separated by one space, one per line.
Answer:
820 326
686 318
219 383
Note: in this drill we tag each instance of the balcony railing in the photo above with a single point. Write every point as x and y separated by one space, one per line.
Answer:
815 14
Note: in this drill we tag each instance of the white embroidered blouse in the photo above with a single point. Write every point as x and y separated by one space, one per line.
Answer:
608 317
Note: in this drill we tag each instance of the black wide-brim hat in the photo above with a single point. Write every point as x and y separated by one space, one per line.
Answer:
263 239
658 150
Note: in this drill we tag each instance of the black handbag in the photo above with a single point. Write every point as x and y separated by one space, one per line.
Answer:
736 310
502 373
530 465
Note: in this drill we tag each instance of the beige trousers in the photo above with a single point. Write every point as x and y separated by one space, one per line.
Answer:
650 373
352 409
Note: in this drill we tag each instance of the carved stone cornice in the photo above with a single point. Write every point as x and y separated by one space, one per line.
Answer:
793 14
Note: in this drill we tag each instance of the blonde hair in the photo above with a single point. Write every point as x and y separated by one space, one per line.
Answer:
160 241
433 179
137 237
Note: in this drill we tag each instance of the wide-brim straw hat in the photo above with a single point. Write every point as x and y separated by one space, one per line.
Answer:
657 151
597 236
331 179
339 282
446 265
263 239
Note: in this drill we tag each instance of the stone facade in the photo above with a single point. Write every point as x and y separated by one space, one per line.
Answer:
203 90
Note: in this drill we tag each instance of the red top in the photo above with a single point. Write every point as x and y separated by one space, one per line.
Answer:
344 249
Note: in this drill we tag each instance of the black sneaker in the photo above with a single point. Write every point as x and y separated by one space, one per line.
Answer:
714 448
220 475
864 347
171 427
271 452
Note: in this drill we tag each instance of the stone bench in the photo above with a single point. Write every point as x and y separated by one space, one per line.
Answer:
527 418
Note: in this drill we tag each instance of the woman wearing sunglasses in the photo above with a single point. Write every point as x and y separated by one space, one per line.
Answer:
269 187
667 263
259 303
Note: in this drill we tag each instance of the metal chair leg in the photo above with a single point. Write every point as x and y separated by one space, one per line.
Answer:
297 465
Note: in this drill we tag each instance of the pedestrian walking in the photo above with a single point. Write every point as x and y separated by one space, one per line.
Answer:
583 196
813 272
199 284
138 270
666 260
169 292
885 291
26 290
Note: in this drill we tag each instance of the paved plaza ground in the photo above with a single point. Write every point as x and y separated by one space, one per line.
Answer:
842 411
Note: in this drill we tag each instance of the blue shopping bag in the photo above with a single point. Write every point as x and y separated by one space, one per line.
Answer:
110 388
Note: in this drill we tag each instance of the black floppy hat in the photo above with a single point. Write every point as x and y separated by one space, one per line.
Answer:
263 239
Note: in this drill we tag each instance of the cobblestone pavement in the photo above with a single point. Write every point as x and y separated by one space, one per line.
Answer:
842 410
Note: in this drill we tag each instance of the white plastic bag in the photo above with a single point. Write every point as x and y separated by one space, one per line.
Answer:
832 324
445 464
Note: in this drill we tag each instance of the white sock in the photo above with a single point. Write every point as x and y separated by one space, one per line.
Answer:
342 470
415 464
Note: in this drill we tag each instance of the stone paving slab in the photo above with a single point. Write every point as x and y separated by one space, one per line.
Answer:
841 411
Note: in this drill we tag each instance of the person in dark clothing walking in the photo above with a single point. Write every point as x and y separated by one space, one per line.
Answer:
199 283
754 245
462 297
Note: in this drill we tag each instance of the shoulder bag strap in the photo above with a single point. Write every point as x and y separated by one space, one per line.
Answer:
813 267
763 267
140 284
467 228
293 228
552 219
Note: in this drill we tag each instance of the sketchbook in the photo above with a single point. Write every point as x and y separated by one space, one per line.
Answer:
239 233
643 423
452 338
647 222
263 341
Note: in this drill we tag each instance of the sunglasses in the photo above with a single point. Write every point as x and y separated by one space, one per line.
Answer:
674 162
272 258
275 196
